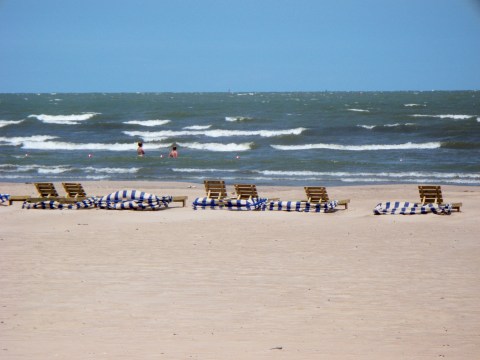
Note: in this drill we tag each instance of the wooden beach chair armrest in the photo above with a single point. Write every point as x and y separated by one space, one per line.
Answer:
457 206
344 202
60 199
182 199
18 198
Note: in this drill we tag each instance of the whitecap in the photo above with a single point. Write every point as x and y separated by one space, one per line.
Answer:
147 122
64 119
197 127
57 145
190 170
358 110
109 170
19 140
371 127
446 116
53 170
236 118
4 123
413 105
406 146
161 135
217 146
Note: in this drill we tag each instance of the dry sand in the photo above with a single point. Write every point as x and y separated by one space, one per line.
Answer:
184 284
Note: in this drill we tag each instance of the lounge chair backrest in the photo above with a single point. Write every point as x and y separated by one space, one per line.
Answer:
46 190
316 194
215 189
74 190
246 191
430 194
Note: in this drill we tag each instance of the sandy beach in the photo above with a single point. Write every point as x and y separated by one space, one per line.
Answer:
217 284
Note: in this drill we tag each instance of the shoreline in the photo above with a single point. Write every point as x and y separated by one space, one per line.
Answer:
216 284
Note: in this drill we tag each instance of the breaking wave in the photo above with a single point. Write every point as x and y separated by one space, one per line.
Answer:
64 119
218 147
9 122
446 116
237 118
161 135
149 123
406 146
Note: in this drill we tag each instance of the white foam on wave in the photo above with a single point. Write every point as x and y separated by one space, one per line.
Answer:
58 145
19 140
446 116
237 118
197 127
53 170
190 170
416 180
4 123
217 146
371 127
73 119
359 110
413 105
395 175
161 135
406 146
109 170
149 123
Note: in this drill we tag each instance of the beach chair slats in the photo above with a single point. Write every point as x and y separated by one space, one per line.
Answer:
319 195
215 189
46 190
430 194
316 194
246 191
74 190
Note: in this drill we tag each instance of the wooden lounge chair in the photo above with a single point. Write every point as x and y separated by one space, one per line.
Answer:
318 195
74 190
46 190
215 189
432 194
247 192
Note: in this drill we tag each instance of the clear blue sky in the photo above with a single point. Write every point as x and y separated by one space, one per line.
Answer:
241 45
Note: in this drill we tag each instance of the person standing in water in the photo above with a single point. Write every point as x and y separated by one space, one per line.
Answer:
173 152
140 151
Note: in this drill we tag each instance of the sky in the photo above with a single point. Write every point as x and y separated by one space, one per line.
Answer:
242 45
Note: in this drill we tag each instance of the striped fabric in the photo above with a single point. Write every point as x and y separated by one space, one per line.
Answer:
410 208
300 206
253 204
89 203
133 200
4 198
229 204
207 203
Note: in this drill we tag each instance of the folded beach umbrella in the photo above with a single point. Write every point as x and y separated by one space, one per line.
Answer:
89 203
410 208
133 200
302 206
